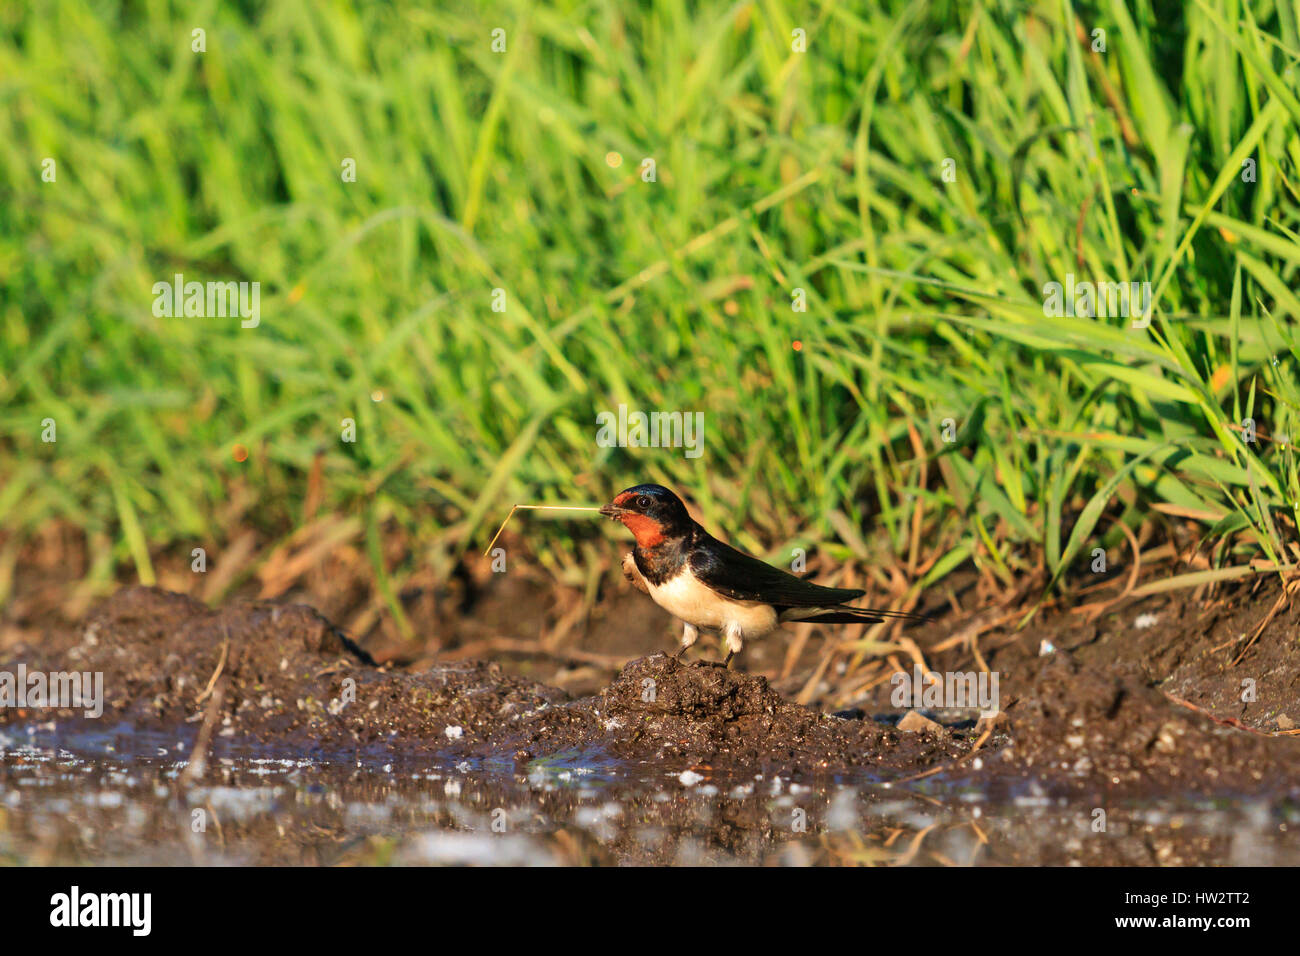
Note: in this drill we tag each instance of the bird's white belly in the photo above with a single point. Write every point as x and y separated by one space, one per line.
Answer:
687 599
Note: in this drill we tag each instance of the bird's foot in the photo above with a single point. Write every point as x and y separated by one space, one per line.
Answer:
732 638
690 634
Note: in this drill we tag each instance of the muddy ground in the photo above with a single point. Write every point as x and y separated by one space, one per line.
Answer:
1154 699
1103 708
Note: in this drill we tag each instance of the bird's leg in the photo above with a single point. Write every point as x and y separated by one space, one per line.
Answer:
731 635
690 634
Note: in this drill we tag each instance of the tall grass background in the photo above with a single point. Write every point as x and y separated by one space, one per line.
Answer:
776 171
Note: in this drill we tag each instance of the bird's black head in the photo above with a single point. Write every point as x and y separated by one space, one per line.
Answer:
651 512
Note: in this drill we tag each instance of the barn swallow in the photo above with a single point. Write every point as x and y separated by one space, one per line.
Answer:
707 584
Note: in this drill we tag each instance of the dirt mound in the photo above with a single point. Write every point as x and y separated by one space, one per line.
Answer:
703 715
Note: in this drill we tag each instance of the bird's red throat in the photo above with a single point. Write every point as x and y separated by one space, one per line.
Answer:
647 531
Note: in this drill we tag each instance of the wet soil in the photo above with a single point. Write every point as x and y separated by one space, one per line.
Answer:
285 675
1164 724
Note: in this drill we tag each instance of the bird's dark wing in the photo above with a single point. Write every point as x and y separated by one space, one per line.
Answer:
741 577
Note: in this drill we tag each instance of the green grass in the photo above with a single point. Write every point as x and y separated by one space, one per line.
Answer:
776 170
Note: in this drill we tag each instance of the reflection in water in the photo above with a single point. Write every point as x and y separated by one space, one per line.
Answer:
118 797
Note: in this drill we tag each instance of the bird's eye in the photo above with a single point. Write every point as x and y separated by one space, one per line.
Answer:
643 501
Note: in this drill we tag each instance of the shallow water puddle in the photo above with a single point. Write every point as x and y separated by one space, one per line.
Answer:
120 797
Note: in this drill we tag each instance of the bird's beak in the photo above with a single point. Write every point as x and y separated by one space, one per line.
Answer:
612 511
